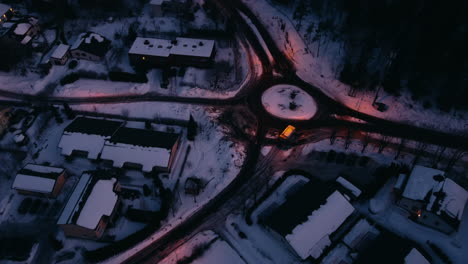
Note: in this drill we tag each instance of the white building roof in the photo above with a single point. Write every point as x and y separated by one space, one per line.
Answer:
100 202
193 47
358 233
420 182
34 178
33 183
92 144
151 47
87 37
415 257
311 237
60 51
148 157
338 255
455 200
348 185
164 47
3 9
72 205
22 28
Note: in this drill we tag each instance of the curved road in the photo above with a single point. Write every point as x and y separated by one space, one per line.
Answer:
254 172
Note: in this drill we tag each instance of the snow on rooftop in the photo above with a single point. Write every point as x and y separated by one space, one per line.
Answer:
420 182
75 198
26 40
454 203
193 47
312 237
43 169
86 37
60 51
22 28
157 2
289 102
339 255
345 183
33 183
401 179
415 257
36 178
91 36
148 157
164 47
3 9
92 144
151 47
358 233
100 202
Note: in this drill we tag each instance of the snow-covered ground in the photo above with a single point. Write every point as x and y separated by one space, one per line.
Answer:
289 102
217 250
212 157
321 71
392 217
259 246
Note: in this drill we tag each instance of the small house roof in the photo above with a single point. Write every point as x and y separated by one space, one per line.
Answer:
92 43
60 51
415 257
37 178
421 181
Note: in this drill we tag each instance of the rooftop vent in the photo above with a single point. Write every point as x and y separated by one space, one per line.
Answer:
200 44
146 42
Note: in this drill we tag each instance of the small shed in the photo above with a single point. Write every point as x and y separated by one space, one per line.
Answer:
193 186
60 55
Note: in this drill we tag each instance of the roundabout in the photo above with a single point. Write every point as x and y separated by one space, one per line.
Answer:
289 102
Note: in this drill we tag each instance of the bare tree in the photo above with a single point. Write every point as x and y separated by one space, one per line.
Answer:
438 155
348 138
365 141
420 149
333 137
383 143
456 155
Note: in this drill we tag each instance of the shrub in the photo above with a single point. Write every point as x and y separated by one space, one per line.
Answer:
72 65
70 78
